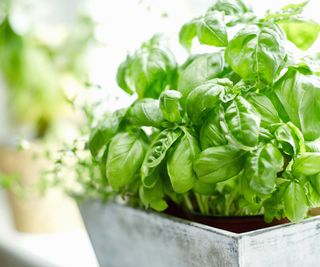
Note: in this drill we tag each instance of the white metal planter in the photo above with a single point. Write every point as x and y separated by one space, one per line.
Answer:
126 237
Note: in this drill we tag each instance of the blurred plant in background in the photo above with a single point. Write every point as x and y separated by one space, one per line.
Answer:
36 73
42 67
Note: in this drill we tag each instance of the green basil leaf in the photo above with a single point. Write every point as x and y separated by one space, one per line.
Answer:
288 92
125 156
301 31
262 167
217 164
231 7
295 202
155 155
169 104
309 108
242 121
152 196
159 206
257 53
205 97
248 193
101 135
149 71
211 29
187 33
180 162
235 11
204 188
299 95
146 112
307 164
123 76
293 9
287 11
265 108
202 68
211 133
274 205
290 138
314 189
313 146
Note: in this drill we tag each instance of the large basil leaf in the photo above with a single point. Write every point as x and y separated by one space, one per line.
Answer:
299 95
169 104
210 30
149 71
257 53
295 202
217 164
180 162
202 68
146 112
264 106
205 97
307 164
211 133
262 167
125 156
242 121
289 93
301 31
155 155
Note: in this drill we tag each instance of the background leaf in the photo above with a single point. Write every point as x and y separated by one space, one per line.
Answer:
301 31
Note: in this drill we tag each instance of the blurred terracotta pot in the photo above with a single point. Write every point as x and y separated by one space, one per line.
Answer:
31 211
314 211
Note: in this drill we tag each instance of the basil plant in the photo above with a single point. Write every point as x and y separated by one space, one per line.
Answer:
232 132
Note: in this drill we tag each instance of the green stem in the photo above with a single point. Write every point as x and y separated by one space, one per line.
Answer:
188 202
229 201
200 204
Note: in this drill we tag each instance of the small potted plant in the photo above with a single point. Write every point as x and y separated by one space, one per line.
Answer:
229 139
33 79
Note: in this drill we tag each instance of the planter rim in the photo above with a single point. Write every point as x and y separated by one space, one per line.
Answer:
195 224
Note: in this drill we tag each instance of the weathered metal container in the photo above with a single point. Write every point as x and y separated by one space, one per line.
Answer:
126 237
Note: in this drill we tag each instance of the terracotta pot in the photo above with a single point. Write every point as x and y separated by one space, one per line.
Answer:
314 211
235 224
32 212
